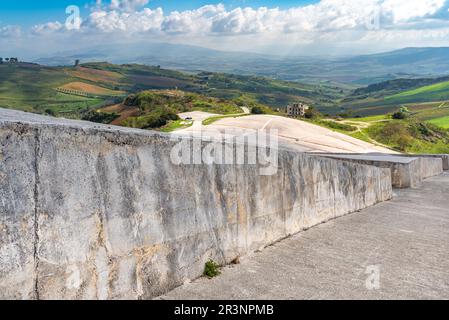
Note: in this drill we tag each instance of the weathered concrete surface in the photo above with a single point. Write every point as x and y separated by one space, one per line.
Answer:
17 212
406 238
97 212
406 172
302 135
444 157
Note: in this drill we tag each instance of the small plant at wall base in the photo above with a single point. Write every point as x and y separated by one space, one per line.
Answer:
211 269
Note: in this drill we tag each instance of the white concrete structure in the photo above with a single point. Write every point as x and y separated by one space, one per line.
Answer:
92 211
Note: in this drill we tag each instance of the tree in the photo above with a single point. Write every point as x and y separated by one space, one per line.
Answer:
257 110
312 113
77 62
1 60
399 115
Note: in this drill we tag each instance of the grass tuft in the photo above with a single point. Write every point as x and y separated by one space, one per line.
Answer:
211 269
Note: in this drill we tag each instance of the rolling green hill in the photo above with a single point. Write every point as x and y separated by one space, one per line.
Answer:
358 70
72 91
32 88
410 135
392 87
271 92
157 108
434 92
151 97
389 96
68 91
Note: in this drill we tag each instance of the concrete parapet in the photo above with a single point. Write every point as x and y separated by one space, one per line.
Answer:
444 157
98 212
406 171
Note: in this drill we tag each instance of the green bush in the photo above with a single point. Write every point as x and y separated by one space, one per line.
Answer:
312 113
149 101
50 112
99 117
211 269
257 110
155 119
130 100
399 115
395 134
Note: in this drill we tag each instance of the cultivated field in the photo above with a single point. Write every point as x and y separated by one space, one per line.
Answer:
89 89
96 75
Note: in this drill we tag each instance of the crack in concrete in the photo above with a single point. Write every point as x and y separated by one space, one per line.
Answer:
36 213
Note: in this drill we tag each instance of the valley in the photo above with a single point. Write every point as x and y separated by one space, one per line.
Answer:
151 97
352 71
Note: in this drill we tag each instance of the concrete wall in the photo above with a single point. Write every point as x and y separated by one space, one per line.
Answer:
444 157
406 171
91 212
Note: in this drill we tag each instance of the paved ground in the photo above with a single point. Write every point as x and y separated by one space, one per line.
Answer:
406 239
301 135
198 117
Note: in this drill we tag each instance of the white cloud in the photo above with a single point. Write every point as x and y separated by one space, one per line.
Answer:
327 15
140 21
329 21
49 27
127 5
248 20
406 10
10 31
192 21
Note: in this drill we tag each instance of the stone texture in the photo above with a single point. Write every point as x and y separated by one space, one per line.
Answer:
17 211
99 212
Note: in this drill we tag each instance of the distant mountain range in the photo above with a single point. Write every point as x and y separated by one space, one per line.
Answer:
360 70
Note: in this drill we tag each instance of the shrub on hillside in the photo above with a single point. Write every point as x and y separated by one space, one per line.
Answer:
257 110
130 100
50 112
395 134
99 117
428 132
312 113
400 115
155 119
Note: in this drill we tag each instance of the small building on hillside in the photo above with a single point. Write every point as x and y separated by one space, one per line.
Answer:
296 110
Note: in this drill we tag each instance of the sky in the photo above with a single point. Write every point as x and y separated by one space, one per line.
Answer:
302 27
29 12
